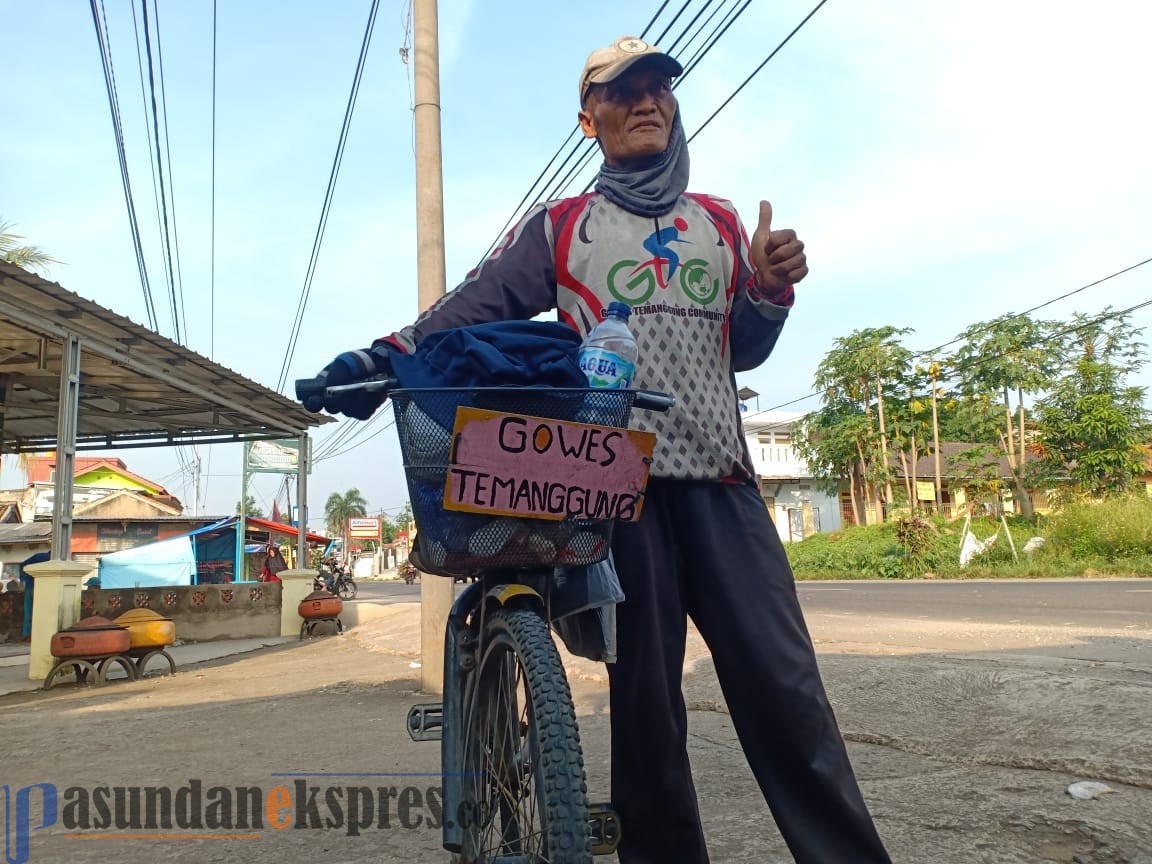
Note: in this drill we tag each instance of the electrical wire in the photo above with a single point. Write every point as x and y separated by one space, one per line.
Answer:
349 432
326 207
688 68
171 179
104 42
977 332
532 188
756 71
159 166
348 449
930 352
590 147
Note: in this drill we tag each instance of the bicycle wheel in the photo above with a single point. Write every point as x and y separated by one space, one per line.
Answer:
347 590
525 796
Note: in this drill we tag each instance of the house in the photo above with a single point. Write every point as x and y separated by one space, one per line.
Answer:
113 509
960 465
101 479
797 506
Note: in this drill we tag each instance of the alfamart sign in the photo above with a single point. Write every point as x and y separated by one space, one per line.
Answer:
365 528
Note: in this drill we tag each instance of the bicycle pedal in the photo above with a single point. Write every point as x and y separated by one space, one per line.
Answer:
604 825
425 722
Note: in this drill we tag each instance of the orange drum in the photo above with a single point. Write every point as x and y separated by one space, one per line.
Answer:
320 604
148 629
91 637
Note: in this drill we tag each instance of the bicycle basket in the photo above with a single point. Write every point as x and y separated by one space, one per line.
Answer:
450 543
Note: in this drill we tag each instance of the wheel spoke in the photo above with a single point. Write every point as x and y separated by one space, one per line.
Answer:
515 677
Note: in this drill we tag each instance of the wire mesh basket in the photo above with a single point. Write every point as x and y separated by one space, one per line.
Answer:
450 543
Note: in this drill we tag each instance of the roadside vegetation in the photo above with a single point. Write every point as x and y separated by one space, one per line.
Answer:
1111 538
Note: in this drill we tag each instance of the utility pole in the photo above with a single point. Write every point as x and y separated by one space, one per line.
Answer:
195 481
436 594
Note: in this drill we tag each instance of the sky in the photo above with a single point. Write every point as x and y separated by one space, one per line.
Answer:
944 164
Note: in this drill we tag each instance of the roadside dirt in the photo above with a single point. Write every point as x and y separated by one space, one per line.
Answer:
963 757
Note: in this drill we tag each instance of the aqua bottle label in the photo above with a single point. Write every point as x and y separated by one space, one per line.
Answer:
606 370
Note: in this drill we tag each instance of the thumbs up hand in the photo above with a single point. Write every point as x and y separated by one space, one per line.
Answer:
777 257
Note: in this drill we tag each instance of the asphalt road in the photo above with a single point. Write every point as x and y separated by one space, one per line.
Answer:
1107 603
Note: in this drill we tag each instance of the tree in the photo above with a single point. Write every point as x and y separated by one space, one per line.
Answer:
1091 425
250 508
857 372
387 529
829 442
15 252
338 509
1009 354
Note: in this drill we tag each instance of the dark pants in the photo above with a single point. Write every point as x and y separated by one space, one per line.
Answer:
710 551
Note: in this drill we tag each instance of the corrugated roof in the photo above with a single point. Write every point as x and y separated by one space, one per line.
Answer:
25 532
137 388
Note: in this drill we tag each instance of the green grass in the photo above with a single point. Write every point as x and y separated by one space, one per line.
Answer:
1113 538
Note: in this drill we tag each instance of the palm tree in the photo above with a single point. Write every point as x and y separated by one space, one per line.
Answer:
14 252
340 508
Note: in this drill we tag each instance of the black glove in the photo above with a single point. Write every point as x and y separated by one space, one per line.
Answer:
349 367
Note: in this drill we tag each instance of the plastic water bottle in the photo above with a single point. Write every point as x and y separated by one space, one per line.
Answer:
608 354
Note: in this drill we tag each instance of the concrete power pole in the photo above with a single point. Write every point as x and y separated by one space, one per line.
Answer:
436 593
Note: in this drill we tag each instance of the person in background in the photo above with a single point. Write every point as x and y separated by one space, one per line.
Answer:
274 564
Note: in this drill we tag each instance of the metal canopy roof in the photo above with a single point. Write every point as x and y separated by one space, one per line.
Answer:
137 388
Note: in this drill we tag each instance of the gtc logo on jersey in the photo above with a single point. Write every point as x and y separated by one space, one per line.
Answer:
635 281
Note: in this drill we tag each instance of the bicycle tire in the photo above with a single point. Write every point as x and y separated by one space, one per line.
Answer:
547 757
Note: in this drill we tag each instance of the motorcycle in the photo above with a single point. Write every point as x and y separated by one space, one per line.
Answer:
335 579
408 572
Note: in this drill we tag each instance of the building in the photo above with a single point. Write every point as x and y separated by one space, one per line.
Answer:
797 506
101 486
113 509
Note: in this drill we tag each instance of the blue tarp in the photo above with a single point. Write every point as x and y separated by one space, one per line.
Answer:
169 562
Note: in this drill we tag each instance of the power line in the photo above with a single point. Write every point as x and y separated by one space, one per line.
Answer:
338 436
351 430
171 179
590 147
756 71
984 358
351 446
532 188
104 42
734 12
689 66
159 170
325 209
1052 337
155 166
1035 308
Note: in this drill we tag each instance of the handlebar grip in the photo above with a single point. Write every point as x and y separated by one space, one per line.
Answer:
310 392
650 400
313 392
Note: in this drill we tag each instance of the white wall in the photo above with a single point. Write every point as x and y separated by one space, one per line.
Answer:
783 476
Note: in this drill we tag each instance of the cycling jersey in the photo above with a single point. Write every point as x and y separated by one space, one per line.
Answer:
697 315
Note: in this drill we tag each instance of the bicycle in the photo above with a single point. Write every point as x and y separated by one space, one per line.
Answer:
513 767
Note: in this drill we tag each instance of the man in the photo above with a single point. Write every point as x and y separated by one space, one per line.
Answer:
701 312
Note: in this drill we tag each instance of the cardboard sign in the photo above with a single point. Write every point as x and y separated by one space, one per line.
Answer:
515 465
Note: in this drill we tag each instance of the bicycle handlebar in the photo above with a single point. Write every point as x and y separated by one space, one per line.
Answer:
312 392
650 400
